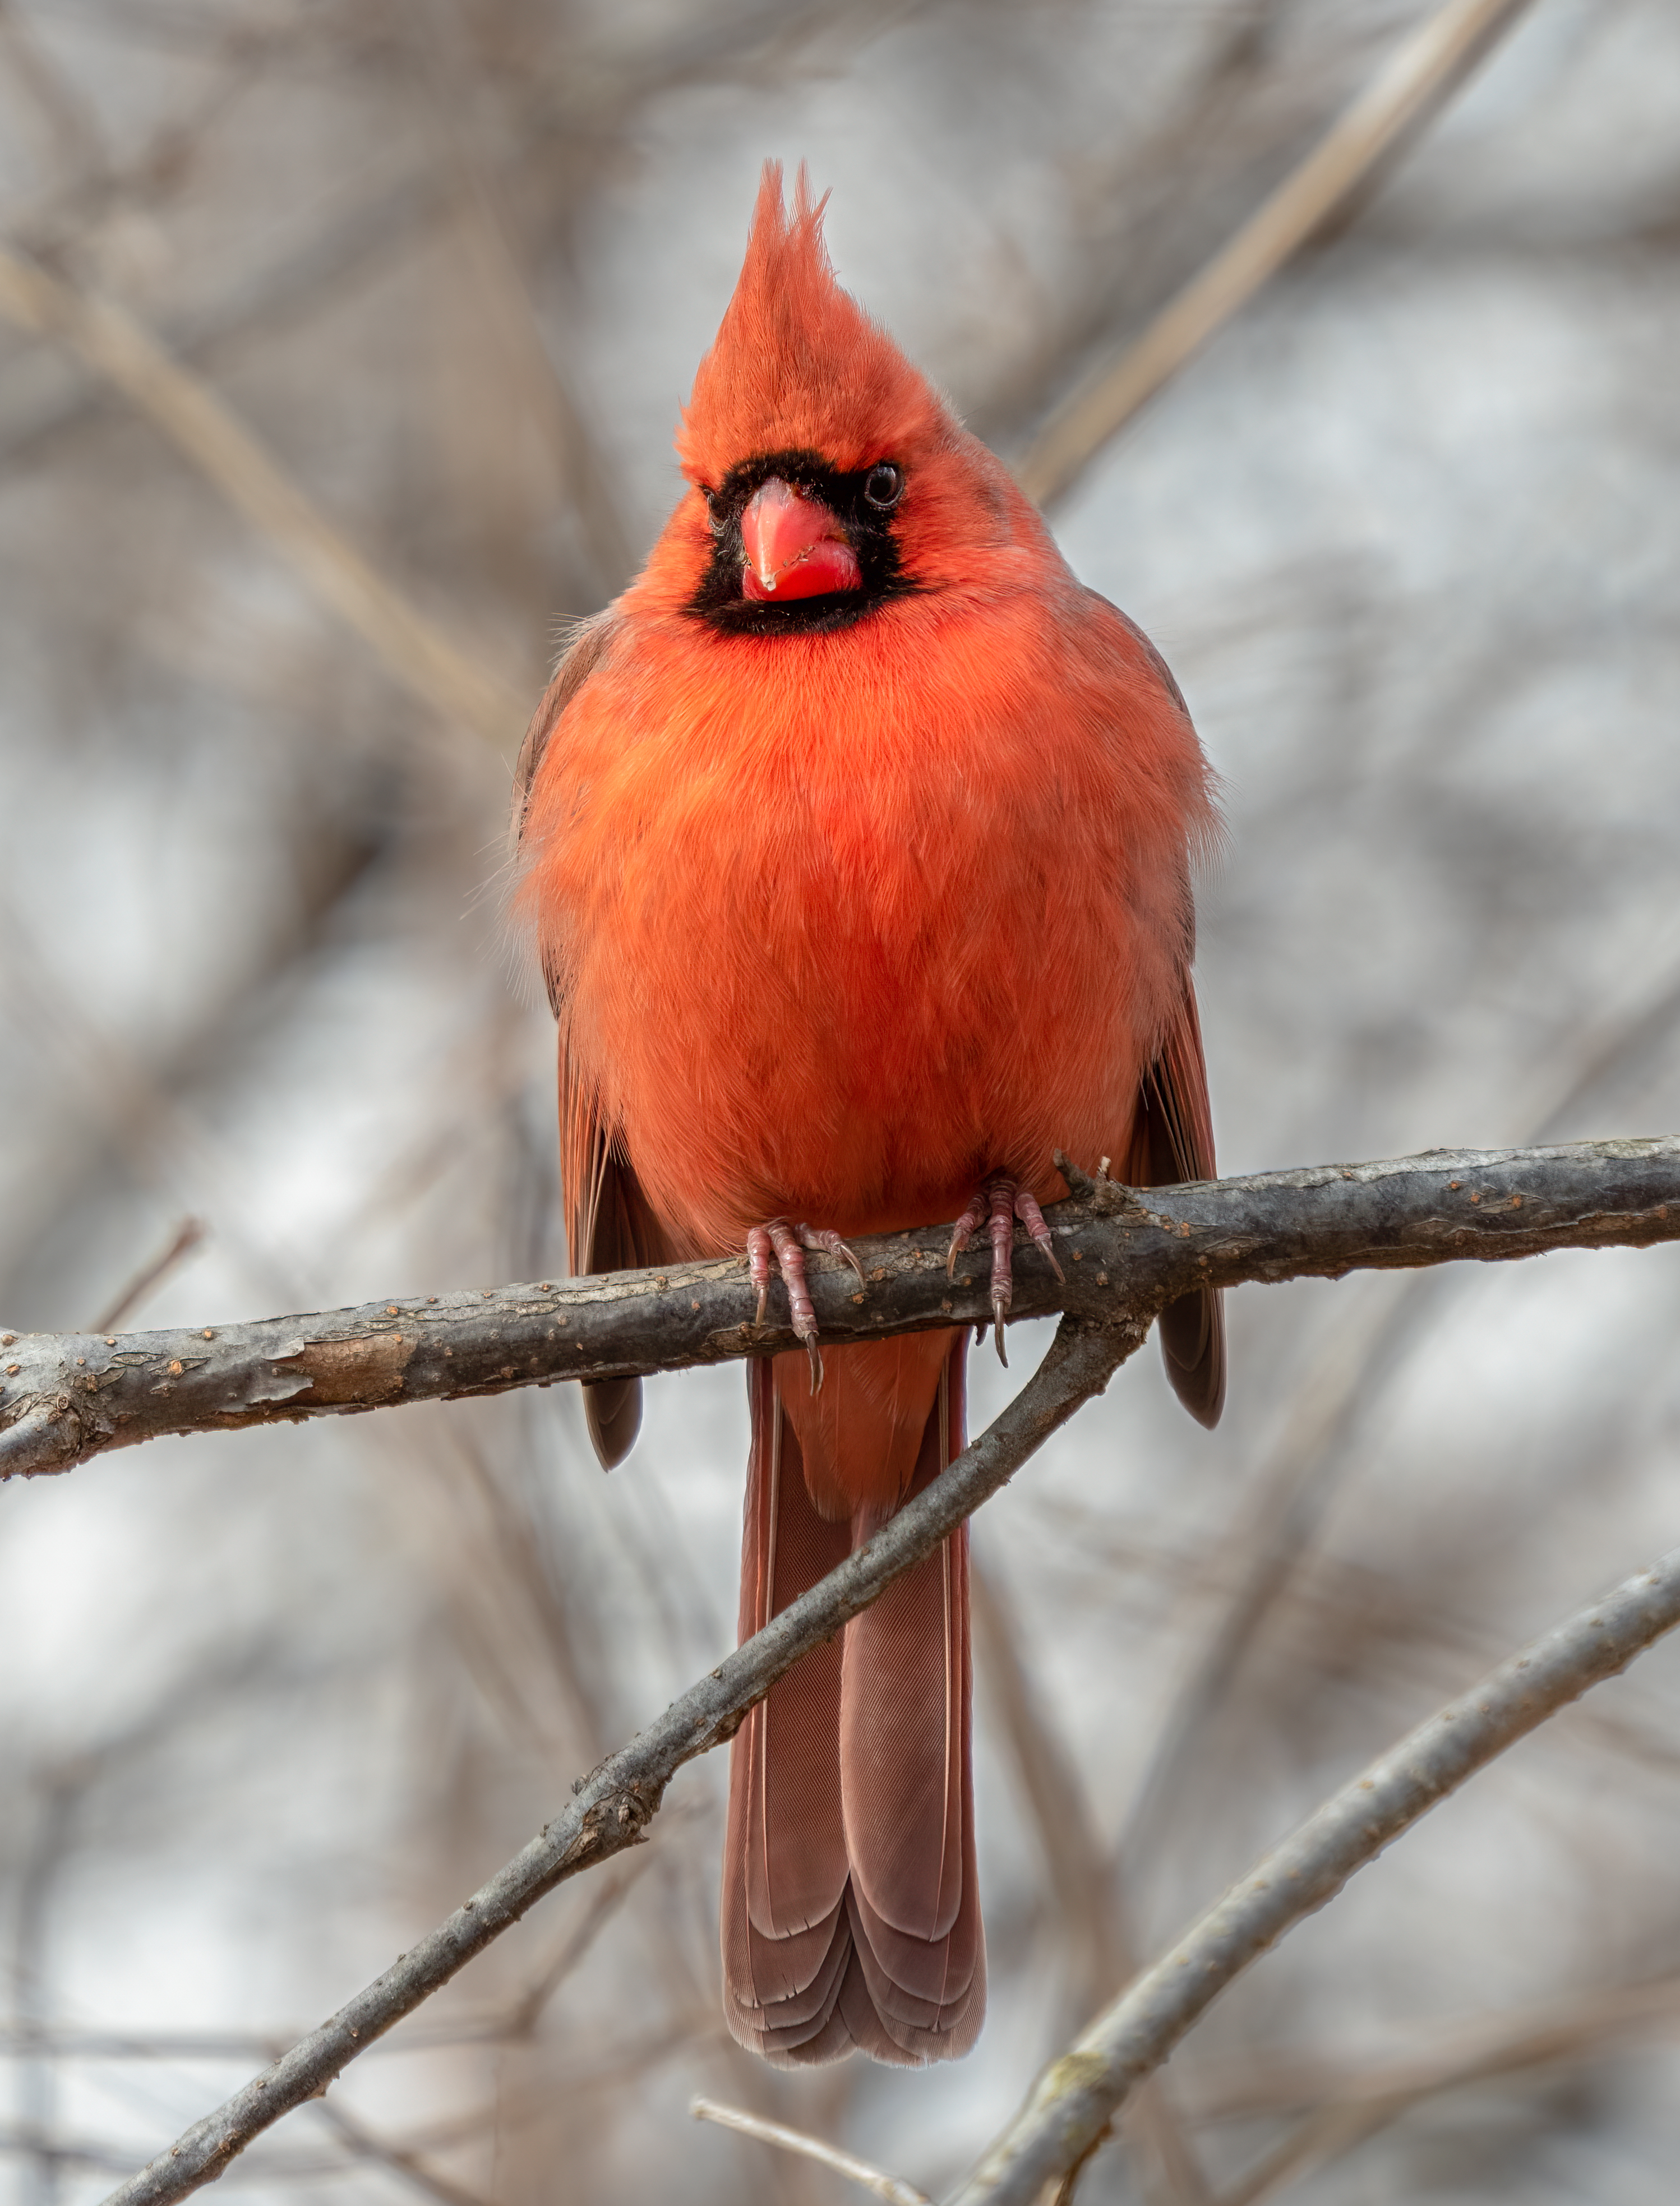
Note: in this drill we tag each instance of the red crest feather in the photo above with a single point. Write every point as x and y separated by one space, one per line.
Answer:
797 365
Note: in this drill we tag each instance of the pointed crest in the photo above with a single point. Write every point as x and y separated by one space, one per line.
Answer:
797 365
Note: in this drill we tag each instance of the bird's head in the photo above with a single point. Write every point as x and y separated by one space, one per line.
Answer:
828 477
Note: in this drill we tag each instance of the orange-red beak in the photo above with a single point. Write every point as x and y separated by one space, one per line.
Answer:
796 548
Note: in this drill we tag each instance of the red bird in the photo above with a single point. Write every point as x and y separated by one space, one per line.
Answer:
856 838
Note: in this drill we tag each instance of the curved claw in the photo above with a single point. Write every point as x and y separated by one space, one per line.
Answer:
998 1203
1027 1210
973 1216
824 1237
777 1245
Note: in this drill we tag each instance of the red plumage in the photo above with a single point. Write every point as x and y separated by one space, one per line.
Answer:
853 888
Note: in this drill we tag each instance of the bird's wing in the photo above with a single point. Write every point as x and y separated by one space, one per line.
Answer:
587 651
1172 1140
610 1227
1172 1133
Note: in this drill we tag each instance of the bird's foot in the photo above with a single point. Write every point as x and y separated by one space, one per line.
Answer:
780 1246
997 1204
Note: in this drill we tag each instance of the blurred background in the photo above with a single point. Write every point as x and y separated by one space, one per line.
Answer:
1408 531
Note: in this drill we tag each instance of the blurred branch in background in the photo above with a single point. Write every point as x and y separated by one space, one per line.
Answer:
412 651
188 1235
1346 2106
892 2188
540 386
1419 79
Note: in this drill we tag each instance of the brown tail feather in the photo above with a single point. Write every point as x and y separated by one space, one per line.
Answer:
1171 1141
785 1936
850 1912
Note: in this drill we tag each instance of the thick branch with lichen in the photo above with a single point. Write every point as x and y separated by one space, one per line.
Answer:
64 1397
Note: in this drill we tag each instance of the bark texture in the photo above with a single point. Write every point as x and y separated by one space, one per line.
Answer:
64 1397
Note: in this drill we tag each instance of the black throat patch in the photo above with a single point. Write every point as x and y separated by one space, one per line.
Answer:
720 601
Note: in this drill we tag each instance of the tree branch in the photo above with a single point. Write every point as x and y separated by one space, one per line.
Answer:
1123 1262
892 2188
66 1397
609 1810
1078 2094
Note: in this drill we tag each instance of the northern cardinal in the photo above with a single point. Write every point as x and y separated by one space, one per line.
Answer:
856 840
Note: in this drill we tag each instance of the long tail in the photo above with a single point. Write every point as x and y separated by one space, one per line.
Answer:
850 1906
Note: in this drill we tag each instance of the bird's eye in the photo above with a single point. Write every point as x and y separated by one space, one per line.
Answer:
717 513
883 486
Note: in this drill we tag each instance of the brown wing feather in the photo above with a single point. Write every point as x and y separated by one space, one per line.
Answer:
610 1227
587 651
1172 1140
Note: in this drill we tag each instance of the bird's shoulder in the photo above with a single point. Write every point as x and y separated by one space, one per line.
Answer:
585 655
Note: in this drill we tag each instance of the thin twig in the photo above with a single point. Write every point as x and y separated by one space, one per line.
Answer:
401 2160
537 381
1449 2053
1056 1802
188 1235
1094 1926
1327 2134
65 1398
892 2188
1417 80
521 2018
69 117
609 1810
202 426
110 2159
1261 1550
1353 2105
1083 2089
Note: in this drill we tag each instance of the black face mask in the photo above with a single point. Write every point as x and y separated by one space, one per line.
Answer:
863 504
